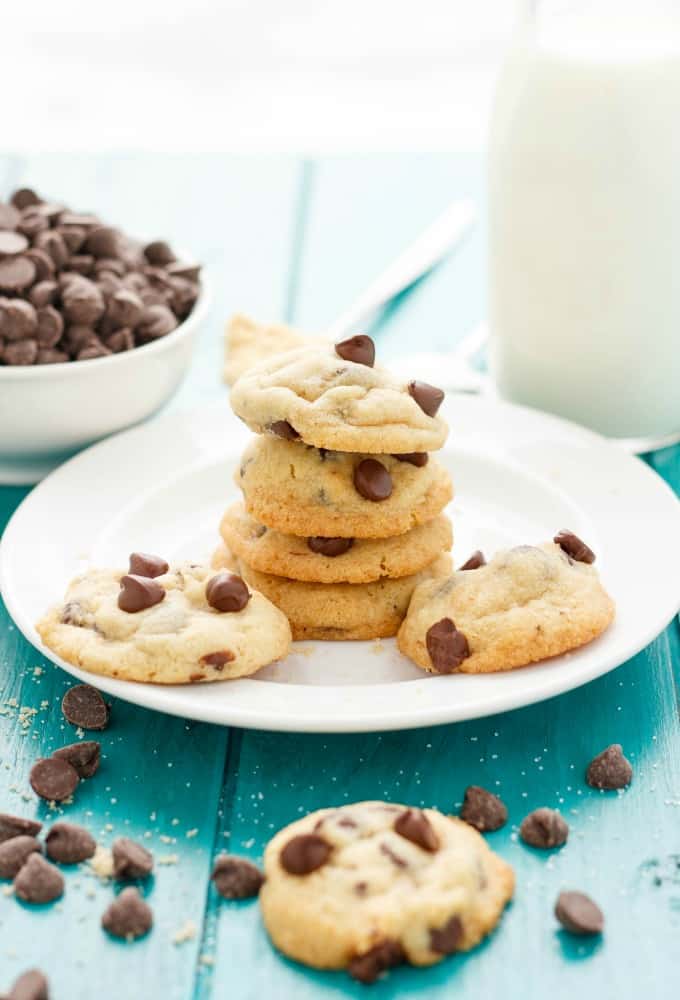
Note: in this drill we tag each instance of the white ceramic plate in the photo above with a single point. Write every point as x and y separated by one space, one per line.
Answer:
519 476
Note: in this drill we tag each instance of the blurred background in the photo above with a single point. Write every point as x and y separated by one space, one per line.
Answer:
261 75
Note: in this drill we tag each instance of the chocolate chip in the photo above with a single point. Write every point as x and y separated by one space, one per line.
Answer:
417 458
445 940
475 561
367 967
227 592
43 265
83 264
16 273
84 706
130 859
10 216
53 245
16 826
128 916
428 397
219 659
159 253
74 237
610 769
24 197
414 825
137 593
574 547
50 356
38 881
93 350
21 352
578 914
359 349
102 241
190 272
330 546
50 326
483 809
144 564
31 985
12 243
283 430
32 222
157 321
304 854
79 219
18 319
446 646
51 210
82 301
236 878
544 828
15 852
53 779
69 843
372 480
77 337
84 757
44 293
121 340
125 308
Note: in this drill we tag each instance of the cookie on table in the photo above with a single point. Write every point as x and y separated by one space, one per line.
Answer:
333 560
372 885
332 396
301 490
337 611
248 342
528 603
183 624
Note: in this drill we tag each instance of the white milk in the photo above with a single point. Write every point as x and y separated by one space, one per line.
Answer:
585 220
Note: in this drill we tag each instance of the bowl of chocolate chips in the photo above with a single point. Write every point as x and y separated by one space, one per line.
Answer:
96 331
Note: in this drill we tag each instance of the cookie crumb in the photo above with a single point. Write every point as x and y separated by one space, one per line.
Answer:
101 862
187 932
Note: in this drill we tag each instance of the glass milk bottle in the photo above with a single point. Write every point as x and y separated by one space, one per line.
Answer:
584 178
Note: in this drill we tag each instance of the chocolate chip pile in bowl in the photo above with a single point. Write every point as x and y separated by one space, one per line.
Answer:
73 288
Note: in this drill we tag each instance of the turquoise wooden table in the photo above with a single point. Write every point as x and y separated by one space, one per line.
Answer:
292 239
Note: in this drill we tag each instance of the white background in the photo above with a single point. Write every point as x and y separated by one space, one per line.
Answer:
279 75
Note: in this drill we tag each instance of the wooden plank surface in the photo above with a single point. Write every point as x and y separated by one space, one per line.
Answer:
281 238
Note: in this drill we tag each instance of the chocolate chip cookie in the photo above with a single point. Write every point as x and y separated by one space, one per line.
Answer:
528 603
337 611
186 625
334 396
320 559
301 490
372 885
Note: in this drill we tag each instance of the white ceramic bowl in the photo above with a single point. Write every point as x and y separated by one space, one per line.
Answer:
47 412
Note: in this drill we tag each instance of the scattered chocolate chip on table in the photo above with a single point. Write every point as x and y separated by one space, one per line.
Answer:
610 770
85 707
235 877
128 916
544 828
483 810
579 914
130 859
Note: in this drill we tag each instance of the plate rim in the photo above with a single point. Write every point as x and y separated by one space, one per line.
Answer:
406 718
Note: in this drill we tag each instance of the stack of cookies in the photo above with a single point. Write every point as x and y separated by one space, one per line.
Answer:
342 505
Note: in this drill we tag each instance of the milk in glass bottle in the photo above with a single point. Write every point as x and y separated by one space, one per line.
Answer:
584 178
